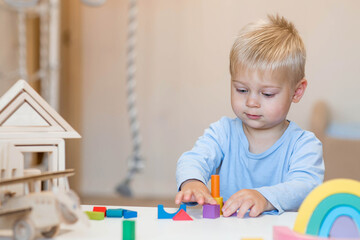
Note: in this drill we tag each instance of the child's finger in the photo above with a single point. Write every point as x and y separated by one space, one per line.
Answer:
179 197
244 208
230 202
209 199
255 211
187 196
225 207
199 198
229 208
229 212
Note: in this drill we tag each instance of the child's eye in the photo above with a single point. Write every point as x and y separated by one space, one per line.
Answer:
268 94
241 90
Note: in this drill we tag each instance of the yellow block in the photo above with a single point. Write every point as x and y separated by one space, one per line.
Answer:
320 193
219 201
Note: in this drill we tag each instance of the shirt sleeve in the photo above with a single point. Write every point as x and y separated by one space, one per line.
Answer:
306 171
203 159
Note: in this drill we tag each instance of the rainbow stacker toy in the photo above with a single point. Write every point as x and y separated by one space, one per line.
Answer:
330 211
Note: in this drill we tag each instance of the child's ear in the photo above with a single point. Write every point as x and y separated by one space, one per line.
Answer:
299 90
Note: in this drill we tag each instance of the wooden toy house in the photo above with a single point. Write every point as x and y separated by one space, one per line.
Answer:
29 123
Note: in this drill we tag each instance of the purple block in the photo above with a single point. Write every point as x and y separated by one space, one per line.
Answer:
234 214
344 227
211 211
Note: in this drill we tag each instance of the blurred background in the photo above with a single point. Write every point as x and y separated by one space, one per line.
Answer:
75 54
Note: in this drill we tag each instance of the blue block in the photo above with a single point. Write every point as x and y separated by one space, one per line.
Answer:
332 215
162 214
129 214
117 213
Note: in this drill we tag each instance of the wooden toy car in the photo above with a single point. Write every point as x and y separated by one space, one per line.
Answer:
38 212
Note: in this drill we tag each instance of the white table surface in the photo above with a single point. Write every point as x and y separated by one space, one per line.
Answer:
149 227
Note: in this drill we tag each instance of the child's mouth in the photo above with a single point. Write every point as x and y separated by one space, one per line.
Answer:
253 117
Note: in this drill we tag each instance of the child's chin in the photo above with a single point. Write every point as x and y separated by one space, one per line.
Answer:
253 124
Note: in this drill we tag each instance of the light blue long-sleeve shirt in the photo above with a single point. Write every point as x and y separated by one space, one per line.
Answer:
284 174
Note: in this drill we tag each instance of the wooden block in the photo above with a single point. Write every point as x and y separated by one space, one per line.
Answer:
129 214
211 211
162 214
100 209
128 230
95 215
182 216
219 201
116 213
215 186
285 233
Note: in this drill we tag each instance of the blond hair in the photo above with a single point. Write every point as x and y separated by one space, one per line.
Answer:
269 45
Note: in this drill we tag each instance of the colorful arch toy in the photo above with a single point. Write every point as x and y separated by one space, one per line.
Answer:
162 214
330 210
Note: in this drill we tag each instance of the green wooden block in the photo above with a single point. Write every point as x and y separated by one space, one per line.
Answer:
128 230
95 215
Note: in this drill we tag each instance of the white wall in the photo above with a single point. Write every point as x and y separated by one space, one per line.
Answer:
183 78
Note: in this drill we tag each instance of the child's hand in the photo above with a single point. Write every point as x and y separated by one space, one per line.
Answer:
194 191
244 200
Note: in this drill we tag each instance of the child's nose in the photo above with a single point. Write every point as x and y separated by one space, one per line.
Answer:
252 101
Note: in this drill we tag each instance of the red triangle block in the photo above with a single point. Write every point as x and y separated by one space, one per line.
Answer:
182 216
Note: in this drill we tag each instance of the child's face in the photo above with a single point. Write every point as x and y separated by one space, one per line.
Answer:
261 99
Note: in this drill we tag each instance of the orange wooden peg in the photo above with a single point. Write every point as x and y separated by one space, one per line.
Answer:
215 186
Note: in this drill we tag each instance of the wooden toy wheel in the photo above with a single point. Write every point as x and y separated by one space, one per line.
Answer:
24 230
52 232
68 216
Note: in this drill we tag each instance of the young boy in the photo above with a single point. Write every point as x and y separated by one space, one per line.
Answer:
265 161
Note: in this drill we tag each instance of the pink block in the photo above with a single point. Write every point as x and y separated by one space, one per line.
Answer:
285 233
211 211
182 216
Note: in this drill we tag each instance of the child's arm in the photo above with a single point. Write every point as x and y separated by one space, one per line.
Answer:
201 162
194 191
244 200
303 173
